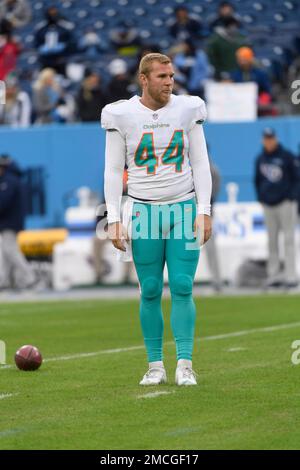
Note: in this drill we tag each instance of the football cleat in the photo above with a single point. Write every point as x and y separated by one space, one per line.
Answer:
154 376
185 376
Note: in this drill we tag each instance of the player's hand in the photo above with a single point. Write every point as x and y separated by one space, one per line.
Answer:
202 227
117 234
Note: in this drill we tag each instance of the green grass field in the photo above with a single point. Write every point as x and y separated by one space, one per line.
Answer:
247 398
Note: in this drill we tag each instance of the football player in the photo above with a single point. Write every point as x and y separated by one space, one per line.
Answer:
159 137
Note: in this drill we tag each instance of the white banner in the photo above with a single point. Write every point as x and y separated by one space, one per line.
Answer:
231 102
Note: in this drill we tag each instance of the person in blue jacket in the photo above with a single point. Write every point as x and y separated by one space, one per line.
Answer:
14 269
249 71
276 182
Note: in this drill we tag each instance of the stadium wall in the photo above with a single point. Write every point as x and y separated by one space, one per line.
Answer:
73 155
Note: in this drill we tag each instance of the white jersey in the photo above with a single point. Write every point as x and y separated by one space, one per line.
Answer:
157 145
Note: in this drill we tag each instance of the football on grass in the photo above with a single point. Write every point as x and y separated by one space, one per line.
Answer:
28 358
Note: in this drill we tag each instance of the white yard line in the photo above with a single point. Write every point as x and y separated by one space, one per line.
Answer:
154 394
236 349
3 396
234 334
267 329
182 431
11 432
92 354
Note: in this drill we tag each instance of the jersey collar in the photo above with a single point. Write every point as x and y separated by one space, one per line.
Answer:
157 111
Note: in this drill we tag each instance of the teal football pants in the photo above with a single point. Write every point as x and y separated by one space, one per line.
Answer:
164 234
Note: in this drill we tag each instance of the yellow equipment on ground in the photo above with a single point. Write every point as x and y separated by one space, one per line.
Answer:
40 242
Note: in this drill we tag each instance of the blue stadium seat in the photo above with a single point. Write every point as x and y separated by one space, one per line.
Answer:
95 3
145 34
29 39
110 12
82 14
271 25
66 5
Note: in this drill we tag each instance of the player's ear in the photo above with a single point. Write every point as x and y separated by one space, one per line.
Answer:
142 79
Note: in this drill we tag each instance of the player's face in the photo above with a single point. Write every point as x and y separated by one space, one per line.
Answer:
159 82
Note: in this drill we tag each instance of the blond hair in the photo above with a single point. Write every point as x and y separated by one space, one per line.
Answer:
43 77
146 62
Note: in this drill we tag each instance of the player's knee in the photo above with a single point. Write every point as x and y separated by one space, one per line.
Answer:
182 285
151 288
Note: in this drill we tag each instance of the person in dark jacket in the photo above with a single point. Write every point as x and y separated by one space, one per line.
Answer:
249 71
54 40
225 11
276 188
185 26
14 269
91 98
120 85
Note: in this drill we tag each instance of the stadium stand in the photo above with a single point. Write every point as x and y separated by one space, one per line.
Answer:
271 28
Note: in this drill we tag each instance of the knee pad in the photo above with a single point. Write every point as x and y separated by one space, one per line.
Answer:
151 288
182 285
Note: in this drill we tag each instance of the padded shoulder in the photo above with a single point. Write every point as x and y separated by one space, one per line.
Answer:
111 114
195 107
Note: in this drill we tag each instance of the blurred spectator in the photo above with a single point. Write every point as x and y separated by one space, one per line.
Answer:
225 77
147 49
91 44
194 64
298 185
144 50
225 11
180 82
120 86
211 247
17 12
276 183
50 102
16 111
185 26
179 89
54 40
14 271
91 98
249 71
125 39
222 46
9 49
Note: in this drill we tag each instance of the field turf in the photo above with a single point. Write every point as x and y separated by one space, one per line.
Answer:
247 398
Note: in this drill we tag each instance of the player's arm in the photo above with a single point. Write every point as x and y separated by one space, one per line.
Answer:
202 180
115 150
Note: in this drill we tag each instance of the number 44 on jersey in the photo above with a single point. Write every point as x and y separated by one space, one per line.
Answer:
145 154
